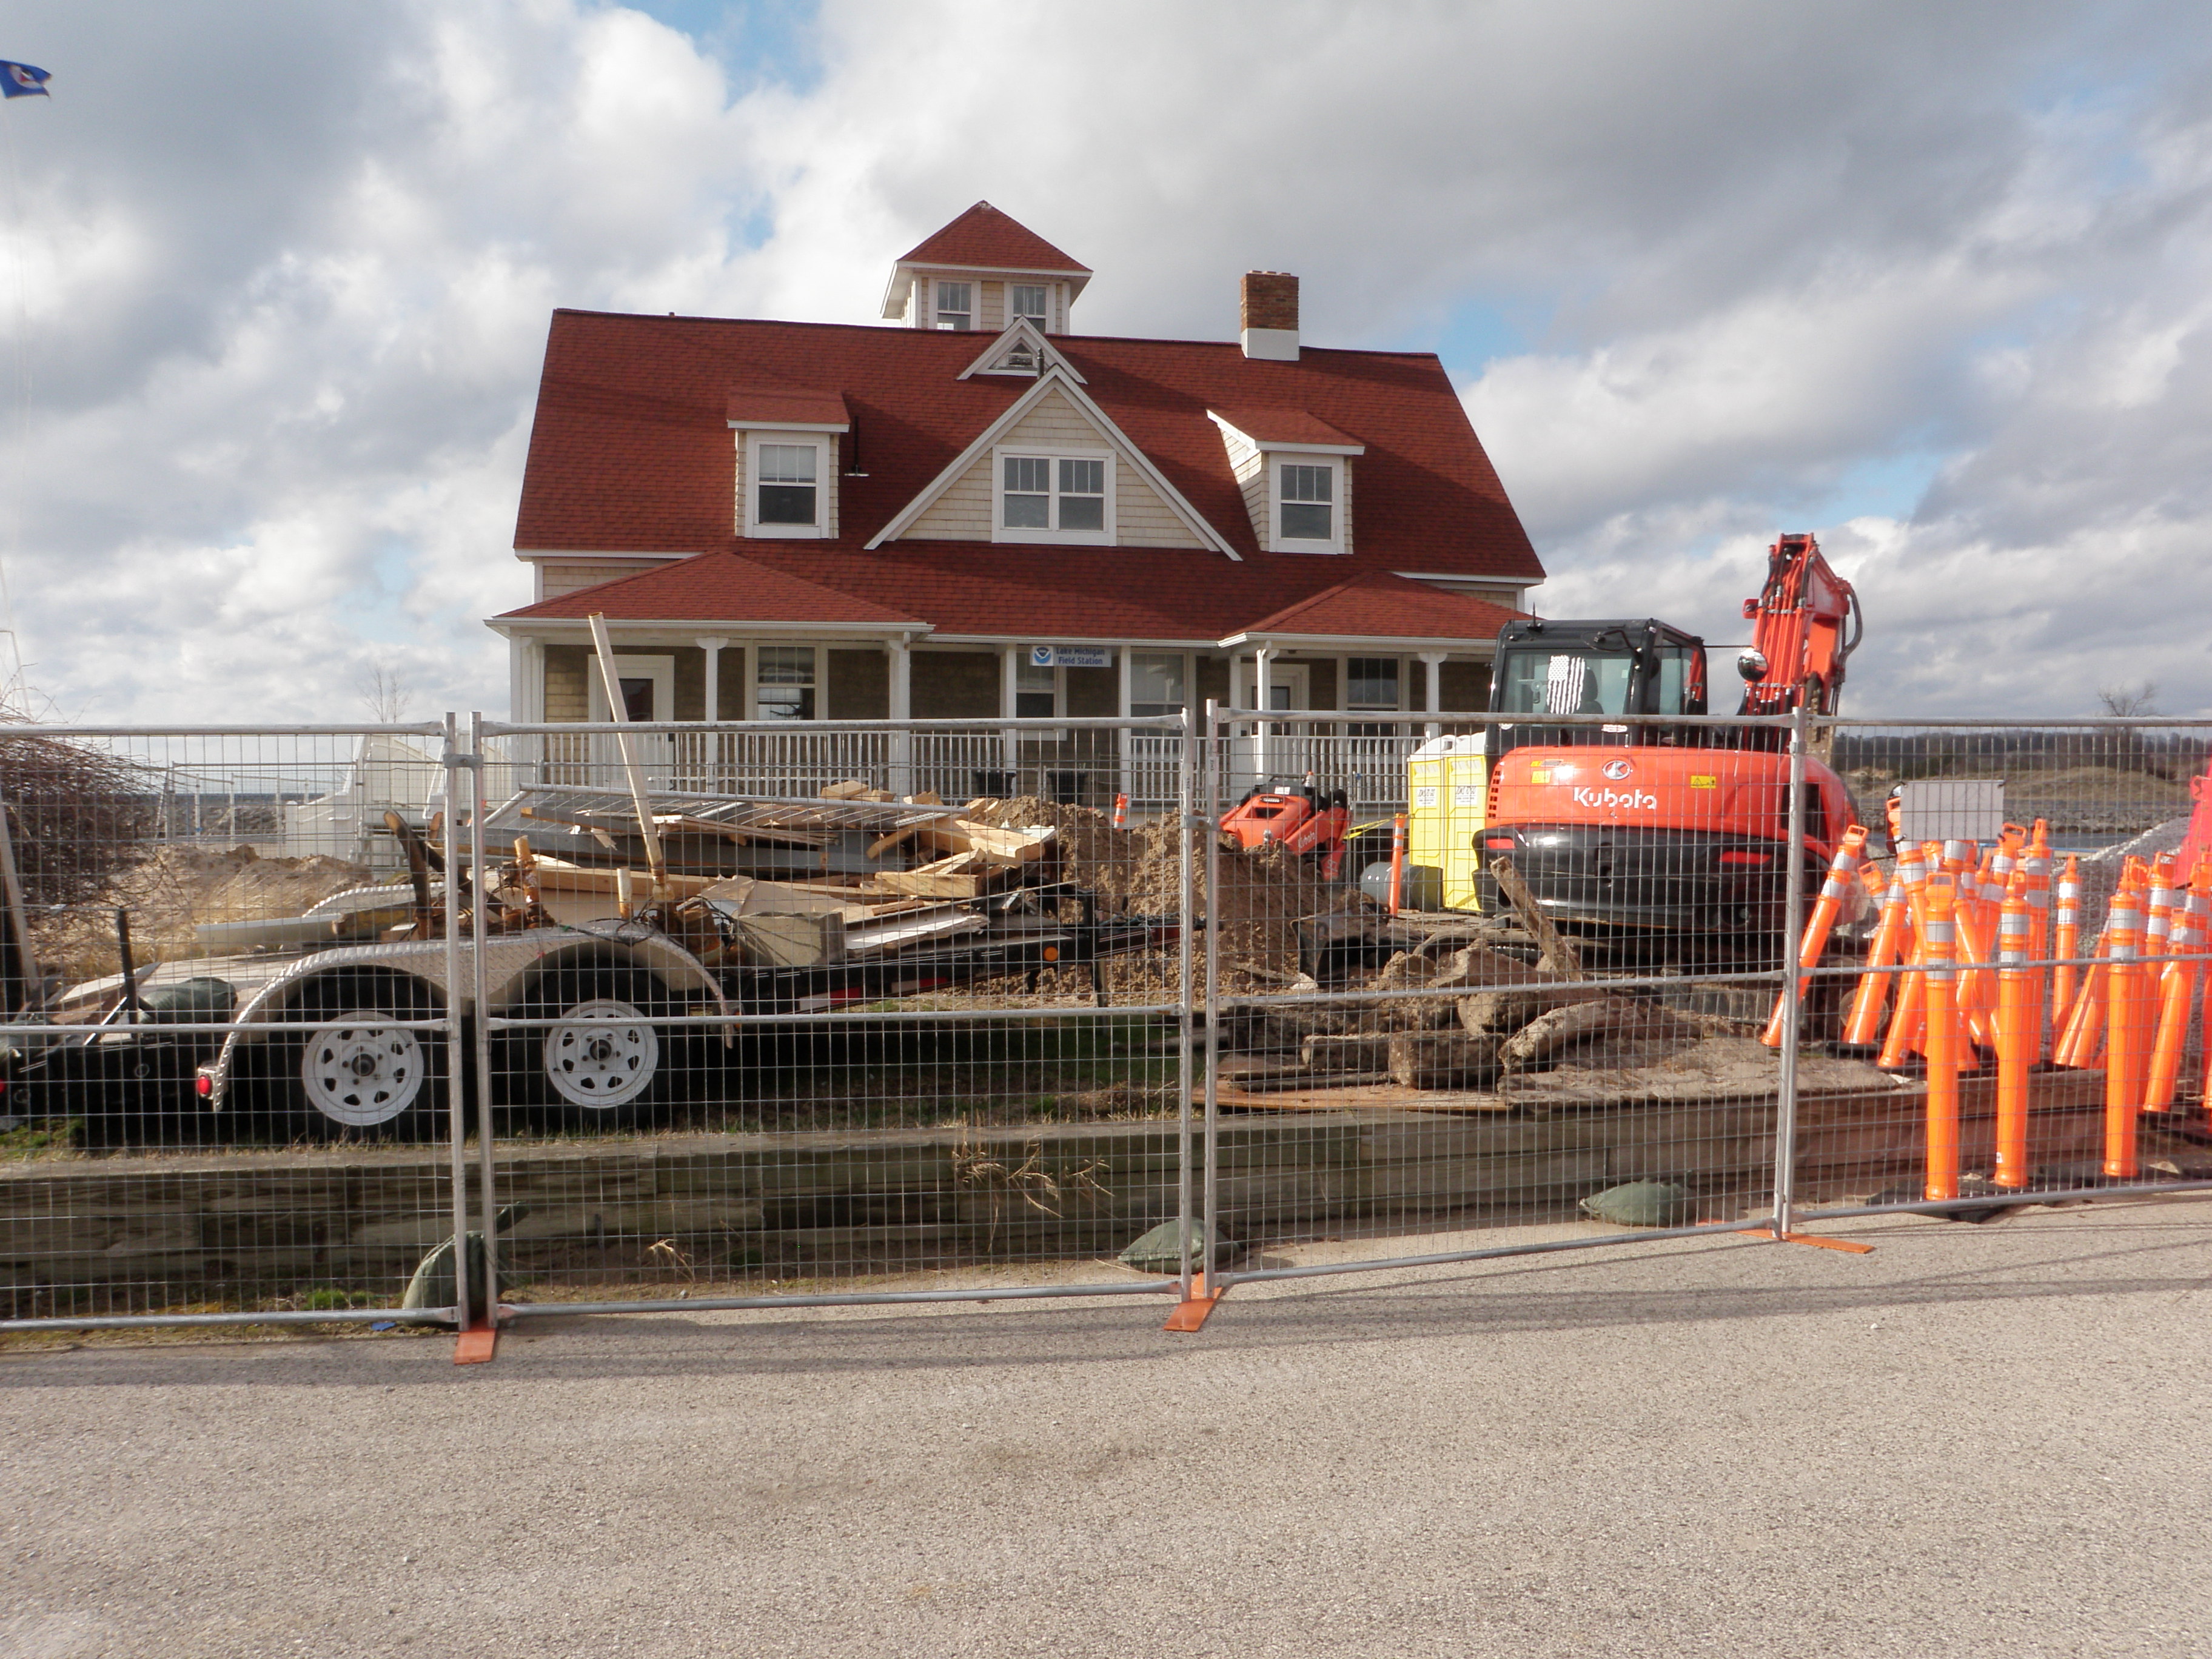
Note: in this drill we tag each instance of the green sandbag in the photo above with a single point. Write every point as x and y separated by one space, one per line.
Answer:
1644 1204
1160 1251
432 1287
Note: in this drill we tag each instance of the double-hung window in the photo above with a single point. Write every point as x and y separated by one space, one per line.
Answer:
786 484
783 683
1055 498
1306 503
956 305
1371 683
1028 301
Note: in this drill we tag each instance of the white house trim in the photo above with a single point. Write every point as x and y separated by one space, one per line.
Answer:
987 440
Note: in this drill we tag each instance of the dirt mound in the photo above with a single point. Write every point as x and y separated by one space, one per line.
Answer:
174 891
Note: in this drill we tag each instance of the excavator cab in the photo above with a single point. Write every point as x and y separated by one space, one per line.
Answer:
1640 670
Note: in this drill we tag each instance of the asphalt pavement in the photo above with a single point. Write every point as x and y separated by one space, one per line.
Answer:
1977 1440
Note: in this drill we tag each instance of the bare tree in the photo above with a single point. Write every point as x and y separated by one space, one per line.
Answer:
2129 748
2122 701
386 694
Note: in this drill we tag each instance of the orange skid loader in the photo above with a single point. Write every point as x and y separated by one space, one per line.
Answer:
1301 818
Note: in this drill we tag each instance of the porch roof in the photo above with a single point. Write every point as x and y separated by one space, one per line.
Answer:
720 588
978 590
1377 606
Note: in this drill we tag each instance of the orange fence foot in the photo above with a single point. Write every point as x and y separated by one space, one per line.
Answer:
1189 1315
1815 1240
477 1344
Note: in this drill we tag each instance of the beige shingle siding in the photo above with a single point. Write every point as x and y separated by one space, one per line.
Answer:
1344 527
990 307
964 513
559 579
1250 468
1141 518
568 685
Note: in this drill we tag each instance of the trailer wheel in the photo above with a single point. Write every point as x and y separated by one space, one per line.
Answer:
603 1061
352 1073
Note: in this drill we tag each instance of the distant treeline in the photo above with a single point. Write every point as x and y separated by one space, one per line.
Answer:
1954 753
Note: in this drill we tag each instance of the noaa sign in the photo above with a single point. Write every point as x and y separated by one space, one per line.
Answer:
1070 656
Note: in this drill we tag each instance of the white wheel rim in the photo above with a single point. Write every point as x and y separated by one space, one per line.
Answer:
359 1074
605 1064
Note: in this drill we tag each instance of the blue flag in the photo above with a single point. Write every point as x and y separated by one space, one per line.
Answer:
22 81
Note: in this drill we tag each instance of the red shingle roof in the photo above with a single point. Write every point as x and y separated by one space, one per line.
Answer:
718 588
631 449
1383 606
786 406
980 589
1284 426
986 237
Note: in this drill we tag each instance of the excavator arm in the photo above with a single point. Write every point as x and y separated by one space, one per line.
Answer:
1800 644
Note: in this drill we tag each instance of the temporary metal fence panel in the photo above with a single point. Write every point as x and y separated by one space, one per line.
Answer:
891 1010
2030 1019
229 1057
897 1010
1531 998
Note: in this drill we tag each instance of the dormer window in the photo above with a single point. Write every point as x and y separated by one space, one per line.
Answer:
1308 502
1027 301
787 485
1055 498
956 305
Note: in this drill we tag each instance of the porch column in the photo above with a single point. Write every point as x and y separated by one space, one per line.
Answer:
706 759
902 707
1434 660
1010 662
712 710
1121 740
1263 747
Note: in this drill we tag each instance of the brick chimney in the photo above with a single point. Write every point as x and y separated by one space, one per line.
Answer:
1270 315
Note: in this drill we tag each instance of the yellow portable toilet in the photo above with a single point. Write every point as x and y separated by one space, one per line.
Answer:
1448 791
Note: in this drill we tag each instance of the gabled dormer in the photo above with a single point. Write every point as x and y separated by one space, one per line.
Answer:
1022 352
984 272
788 441
1295 471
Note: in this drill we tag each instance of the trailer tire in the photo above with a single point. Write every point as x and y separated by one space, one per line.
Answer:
350 1074
614 1065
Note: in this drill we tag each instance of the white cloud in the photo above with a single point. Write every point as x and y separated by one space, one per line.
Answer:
283 340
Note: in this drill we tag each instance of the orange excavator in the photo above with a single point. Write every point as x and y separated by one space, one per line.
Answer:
1639 827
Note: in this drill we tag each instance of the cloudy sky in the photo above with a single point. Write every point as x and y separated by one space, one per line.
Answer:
1934 281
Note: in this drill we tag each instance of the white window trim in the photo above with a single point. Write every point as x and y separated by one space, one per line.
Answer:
824 481
753 649
1054 452
1344 683
974 303
1044 322
1275 461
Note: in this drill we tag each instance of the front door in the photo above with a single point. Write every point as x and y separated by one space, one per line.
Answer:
1289 686
648 694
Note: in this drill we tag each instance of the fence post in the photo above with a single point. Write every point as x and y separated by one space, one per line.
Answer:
1785 1107
1199 1296
457 1122
1186 824
480 999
